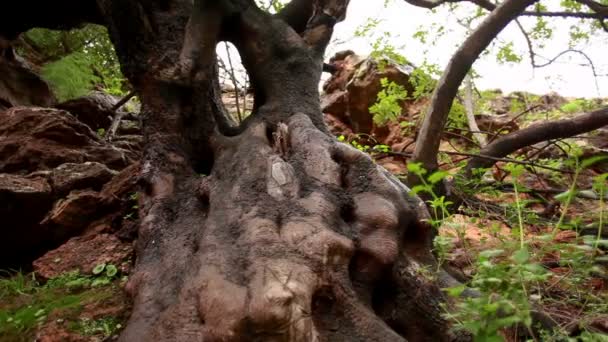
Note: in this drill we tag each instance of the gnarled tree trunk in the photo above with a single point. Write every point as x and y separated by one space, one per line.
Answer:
272 230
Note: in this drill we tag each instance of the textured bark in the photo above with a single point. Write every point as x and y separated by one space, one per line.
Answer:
272 230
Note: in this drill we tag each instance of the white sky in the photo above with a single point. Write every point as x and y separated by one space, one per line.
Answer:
566 76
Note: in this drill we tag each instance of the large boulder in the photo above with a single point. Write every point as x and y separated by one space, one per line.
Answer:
34 139
354 87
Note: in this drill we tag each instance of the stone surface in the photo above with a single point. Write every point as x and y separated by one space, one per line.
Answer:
354 87
33 139
95 109
70 176
83 253
121 185
128 127
73 214
19 85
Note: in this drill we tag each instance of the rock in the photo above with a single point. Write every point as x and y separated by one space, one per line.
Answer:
33 139
122 185
19 85
552 101
95 109
599 138
496 123
23 203
337 127
70 176
336 104
354 87
128 127
83 254
73 214
132 144
24 188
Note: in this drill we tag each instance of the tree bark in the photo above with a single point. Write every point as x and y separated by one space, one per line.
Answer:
271 230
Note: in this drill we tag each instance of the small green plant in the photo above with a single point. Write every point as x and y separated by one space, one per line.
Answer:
504 298
132 214
101 132
388 105
577 106
26 304
106 327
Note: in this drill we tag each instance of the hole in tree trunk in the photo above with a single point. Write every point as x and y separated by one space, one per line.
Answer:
237 95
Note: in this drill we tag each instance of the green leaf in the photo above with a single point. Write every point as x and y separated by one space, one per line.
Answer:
100 282
455 291
592 160
564 195
521 256
99 268
490 253
437 176
111 270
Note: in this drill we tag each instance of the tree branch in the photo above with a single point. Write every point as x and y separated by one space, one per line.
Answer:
600 13
296 14
320 27
512 142
433 125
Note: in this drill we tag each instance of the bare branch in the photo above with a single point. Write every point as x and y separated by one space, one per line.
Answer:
433 125
599 14
512 142
531 52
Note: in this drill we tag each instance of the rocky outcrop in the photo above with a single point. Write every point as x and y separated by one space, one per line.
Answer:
58 180
34 139
83 253
71 176
96 110
19 85
354 87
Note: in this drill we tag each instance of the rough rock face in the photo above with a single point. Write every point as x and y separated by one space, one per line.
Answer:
58 179
39 138
354 87
83 253
19 85
95 109
71 176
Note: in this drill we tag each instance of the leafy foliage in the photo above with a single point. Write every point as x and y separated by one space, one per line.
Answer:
75 62
389 104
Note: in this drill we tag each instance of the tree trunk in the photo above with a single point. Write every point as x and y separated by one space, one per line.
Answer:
272 230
